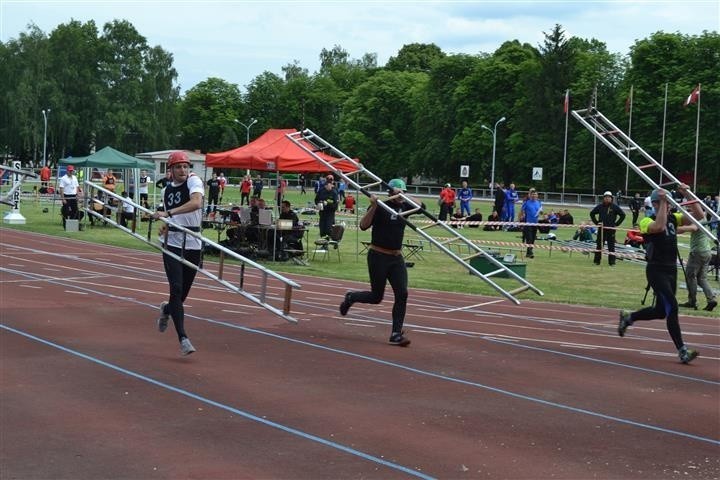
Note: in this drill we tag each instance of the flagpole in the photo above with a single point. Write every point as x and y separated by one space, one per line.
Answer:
567 114
697 140
594 143
662 145
627 167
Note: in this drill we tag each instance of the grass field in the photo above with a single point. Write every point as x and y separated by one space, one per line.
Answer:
562 276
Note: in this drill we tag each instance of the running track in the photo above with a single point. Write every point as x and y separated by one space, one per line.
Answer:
91 390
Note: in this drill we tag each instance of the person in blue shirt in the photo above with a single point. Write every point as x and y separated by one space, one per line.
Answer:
531 210
511 197
464 194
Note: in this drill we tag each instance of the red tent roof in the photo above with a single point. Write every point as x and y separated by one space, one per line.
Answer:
273 151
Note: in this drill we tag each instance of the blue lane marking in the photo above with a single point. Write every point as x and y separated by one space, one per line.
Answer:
222 406
597 360
435 375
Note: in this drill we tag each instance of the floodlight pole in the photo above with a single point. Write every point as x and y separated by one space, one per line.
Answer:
492 171
253 121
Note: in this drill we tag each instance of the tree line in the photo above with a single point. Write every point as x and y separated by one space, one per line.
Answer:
421 114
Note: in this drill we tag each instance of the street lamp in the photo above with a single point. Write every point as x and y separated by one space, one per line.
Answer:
253 121
492 171
45 115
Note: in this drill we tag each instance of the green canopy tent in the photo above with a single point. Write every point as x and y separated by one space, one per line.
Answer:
108 157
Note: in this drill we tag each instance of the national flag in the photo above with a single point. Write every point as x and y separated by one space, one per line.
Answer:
566 103
693 97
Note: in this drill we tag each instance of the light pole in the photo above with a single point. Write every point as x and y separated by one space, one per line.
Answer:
45 115
253 121
492 171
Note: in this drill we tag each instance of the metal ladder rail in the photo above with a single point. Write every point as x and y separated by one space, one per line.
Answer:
640 170
309 137
10 193
266 274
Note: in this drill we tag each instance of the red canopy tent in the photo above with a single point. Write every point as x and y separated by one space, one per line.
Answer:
274 152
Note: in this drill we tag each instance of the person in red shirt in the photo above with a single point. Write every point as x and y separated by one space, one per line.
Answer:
447 202
349 204
245 188
45 174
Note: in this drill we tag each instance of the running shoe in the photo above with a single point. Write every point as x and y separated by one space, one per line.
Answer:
186 348
711 304
687 355
162 321
397 338
624 322
346 304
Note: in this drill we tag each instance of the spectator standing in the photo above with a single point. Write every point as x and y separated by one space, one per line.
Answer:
45 174
69 191
635 205
531 210
607 216
660 234
183 202
213 193
301 183
257 187
447 202
109 182
341 187
349 204
511 198
385 261
327 203
280 191
500 199
143 188
465 195
245 187
223 183
697 267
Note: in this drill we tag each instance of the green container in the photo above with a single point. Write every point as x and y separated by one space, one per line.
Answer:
483 265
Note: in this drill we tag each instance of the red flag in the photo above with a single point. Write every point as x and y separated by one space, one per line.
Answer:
693 97
566 103
629 100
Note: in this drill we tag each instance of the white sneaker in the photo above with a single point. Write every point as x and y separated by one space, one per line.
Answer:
186 348
162 321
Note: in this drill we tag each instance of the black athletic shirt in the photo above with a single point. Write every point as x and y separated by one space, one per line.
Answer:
388 230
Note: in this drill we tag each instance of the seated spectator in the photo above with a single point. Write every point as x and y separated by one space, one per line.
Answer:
127 210
553 219
583 233
634 239
544 220
565 218
455 220
475 217
494 217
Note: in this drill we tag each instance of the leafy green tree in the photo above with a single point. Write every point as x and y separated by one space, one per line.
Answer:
415 57
207 111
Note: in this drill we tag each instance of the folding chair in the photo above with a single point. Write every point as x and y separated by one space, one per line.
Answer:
323 245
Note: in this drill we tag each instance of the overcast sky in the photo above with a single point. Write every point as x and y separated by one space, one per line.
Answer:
238 40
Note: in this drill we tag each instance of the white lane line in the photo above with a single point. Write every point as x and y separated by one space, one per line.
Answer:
473 306
359 325
76 292
29 286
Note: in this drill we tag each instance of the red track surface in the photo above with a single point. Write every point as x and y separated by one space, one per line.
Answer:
90 389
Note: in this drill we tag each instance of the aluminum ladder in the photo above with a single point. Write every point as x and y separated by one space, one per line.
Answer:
265 275
9 197
617 141
332 157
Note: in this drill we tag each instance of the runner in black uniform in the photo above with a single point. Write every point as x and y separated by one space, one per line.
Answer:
385 260
660 234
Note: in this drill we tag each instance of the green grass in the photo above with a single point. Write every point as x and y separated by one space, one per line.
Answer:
563 277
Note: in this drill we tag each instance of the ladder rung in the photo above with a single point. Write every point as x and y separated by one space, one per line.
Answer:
689 202
519 290
610 132
425 227
648 165
470 257
410 212
667 184
495 272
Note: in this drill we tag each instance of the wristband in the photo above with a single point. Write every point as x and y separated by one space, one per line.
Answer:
169 214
